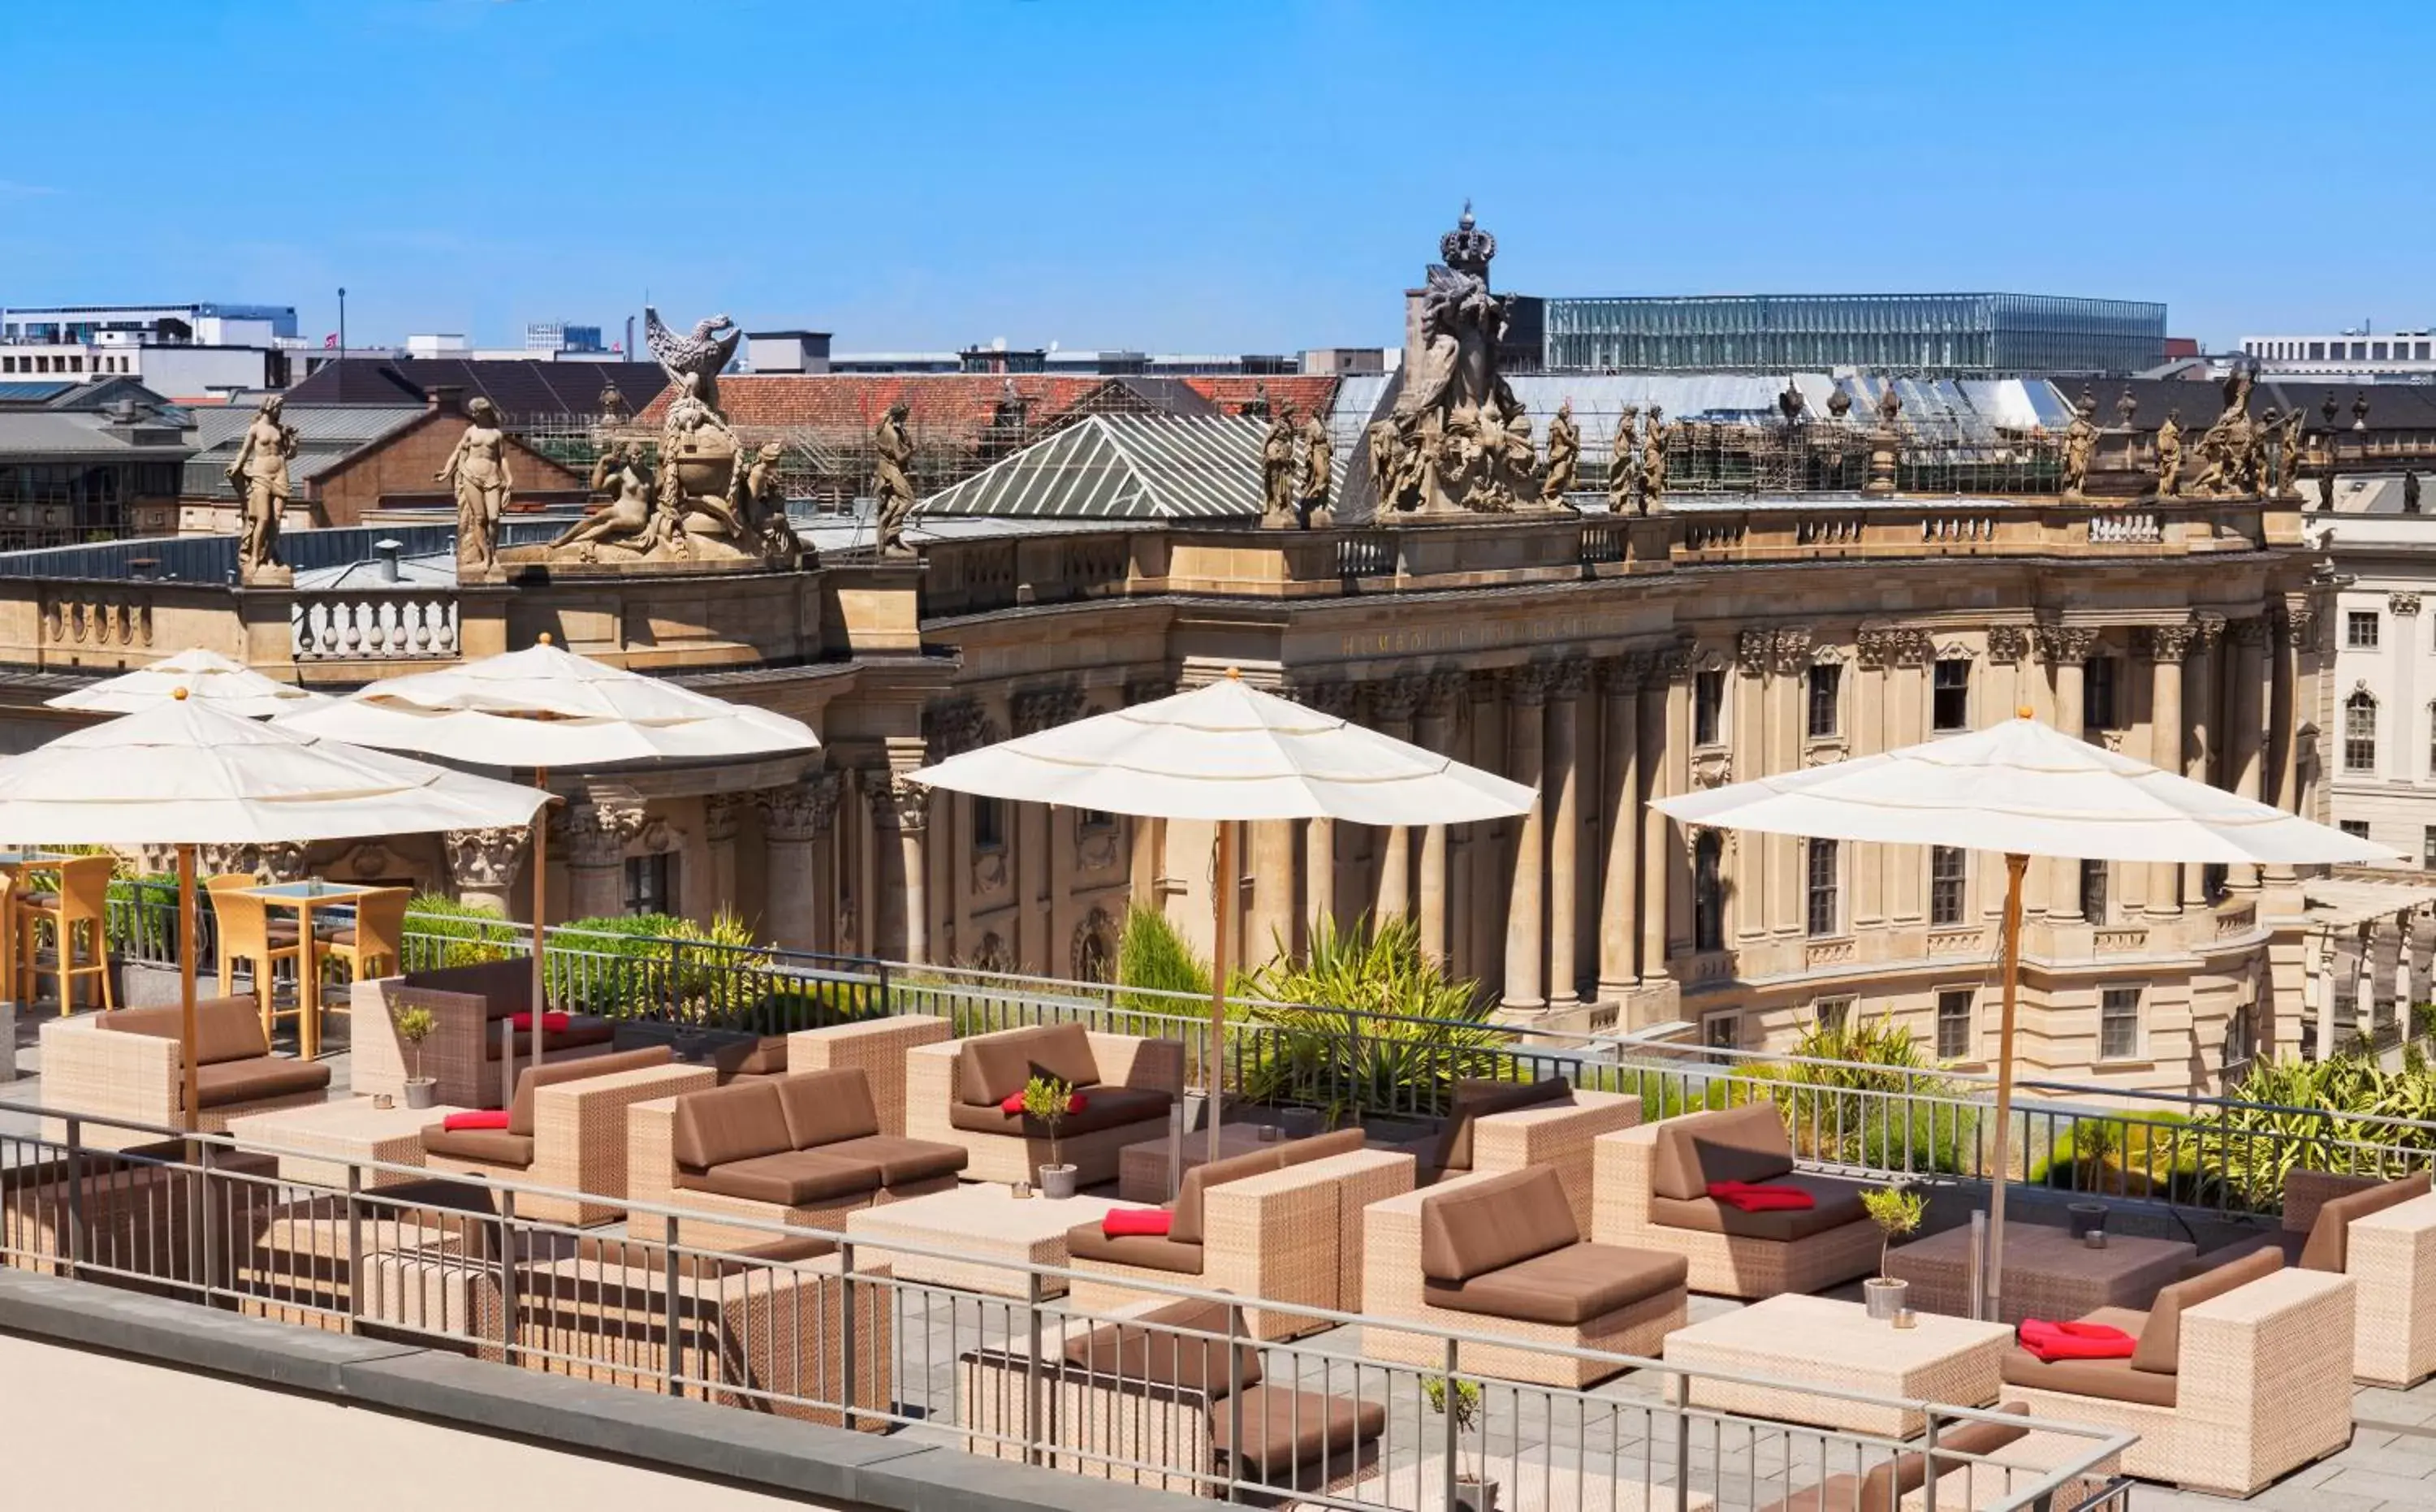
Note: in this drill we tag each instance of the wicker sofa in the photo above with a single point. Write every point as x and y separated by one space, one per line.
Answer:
953 1091
1652 1187
566 1128
877 1046
2239 1376
1499 1254
1494 1125
125 1063
468 1053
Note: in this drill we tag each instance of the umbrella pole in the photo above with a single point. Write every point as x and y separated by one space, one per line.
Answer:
2014 866
191 1099
541 903
1223 912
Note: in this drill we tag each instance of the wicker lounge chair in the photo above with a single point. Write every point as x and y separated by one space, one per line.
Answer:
953 1091
125 1063
566 1129
472 1005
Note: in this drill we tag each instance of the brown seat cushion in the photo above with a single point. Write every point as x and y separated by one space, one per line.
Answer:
1103 1107
1156 1252
1164 1347
1321 1146
791 1179
1476 1098
224 1083
2328 1246
2283 1242
489 1147
1747 1143
728 1124
2161 1337
767 1057
2107 1380
824 1108
1888 1483
1564 1288
582 1032
1838 1203
1492 1222
1190 1195
1285 1429
226 1029
555 1073
996 1067
902 1161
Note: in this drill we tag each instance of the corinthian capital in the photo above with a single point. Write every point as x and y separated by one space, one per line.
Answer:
2059 644
2167 643
485 860
798 811
596 829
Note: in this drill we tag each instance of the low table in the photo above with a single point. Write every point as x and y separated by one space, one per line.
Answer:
1531 1485
1796 1338
2048 1274
985 1220
351 1129
1141 1169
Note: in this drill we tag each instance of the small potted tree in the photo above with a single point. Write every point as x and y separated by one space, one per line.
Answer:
1898 1213
414 1026
1460 1400
1050 1098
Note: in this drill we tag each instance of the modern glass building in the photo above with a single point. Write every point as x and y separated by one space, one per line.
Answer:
1966 336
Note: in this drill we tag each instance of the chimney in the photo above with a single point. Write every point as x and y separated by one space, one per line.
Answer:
441 398
385 559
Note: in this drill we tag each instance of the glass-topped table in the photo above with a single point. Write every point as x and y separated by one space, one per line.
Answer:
304 898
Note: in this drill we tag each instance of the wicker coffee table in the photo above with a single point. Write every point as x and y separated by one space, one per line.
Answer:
1141 1169
2048 1274
982 1219
1811 1339
349 1129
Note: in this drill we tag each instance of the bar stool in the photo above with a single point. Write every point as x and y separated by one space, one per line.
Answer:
80 907
247 934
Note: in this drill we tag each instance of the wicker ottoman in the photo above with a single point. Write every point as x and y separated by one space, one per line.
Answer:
1809 1339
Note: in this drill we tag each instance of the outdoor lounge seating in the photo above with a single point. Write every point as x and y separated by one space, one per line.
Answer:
1894 1484
802 1149
2382 1234
1500 1254
472 1006
2236 1377
1262 1224
1494 1126
125 1063
953 1092
566 1128
1653 1192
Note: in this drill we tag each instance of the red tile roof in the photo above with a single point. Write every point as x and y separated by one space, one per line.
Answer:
938 402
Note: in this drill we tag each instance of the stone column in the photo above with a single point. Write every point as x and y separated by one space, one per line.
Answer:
1564 788
1526 908
1391 714
794 819
2063 648
1320 835
1270 932
1037 949
2166 644
2245 725
596 851
2364 995
722 816
482 864
1440 695
1665 733
900 813
1619 891
2009 646
1486 886
2200 726
2298 624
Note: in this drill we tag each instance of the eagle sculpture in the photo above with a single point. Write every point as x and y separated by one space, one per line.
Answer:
704 353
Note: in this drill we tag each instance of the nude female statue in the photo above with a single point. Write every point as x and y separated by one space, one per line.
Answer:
477 468
628 514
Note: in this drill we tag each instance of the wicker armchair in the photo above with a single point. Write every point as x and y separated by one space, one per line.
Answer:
2382 1234
1496 1126
948 1100
467 1054
566 1129
125 1064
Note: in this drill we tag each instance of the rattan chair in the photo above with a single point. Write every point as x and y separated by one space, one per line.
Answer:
247 932
368 947
80 907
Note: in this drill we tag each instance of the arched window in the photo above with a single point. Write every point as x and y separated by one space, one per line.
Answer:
2359 732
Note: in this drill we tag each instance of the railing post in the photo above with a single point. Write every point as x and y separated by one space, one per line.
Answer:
208 1229
76 1195
1682 1444
846 1333
1032 1370
1235 1404
1928 1461
508 1351
675 1350
354 1247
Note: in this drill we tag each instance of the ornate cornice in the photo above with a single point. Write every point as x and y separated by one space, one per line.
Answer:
1882 646
2403 603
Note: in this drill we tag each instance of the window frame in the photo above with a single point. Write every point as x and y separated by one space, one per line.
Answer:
2109 1050
1709 890
2360 747
1937 691
1949 897
2362 629
1709 706
1968 1020
1822 899
1833 1015
1823 694
2096 880
2101 693
661 863
988 824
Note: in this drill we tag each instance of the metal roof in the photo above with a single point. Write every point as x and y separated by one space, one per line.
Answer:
326 435
74 433
1131 468
33 393
427 569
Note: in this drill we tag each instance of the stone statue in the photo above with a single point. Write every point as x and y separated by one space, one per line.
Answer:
760 509
2326 476
1564 455
1653 462
612 405
1889 404
2227 448
1318 467
2288 447
1515 479
2169 456
1466 438
2409 490
2079 445
477 468
1256 406
1385 459
1276 469
891 484
704 353
1623 471
628 518
259 474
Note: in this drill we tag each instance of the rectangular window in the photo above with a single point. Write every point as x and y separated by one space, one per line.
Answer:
1096 819
1946 871
989 824
1708 892
1707 704
2376 351
2359 733
1826 681
1950 695
2118 1024
2317 351
2357 828
1721 1031
648 888
1954 1015
2360 629
1831 1015
2093 892
2428 848
1824 916
2097 702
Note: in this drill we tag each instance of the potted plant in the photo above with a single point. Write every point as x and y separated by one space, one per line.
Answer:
414 1026
1460 1400
1898 1213
1050 1098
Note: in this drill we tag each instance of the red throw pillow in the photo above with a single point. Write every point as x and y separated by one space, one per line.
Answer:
491 1117
1760 1197
1011 1104
551 1023
1122 1221
1074 1103
2052 1341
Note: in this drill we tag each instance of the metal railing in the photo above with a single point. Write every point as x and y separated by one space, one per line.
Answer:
870 1335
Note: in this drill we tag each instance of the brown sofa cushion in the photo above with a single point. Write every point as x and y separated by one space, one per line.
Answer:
996 1067
1192 1195
1155 1252
2330 1247
226 1029
225 1082
1321 1146
1476 1098
1747 1143
582 1031
504 987
1149 1351
902 1161
2283 1242
791 1179
767 1057
1838 1203
1564 1288
728 1124
489 1147
552 1073
1493 1222
2161 1336
1103 1107
824 1108
1285 1429
2107 1380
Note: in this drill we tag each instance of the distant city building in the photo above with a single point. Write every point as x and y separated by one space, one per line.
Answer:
559 336
2346 354
88 461
998 358
198 351
204 323
787 351
1972 336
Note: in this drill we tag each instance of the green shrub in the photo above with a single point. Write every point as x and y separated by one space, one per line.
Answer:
441 931
1856 1111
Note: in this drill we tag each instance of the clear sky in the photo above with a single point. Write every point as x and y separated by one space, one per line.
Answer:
1205 175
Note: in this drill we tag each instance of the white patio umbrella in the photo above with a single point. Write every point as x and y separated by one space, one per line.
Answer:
186 774
2024 789
543 707
204 676
1228 752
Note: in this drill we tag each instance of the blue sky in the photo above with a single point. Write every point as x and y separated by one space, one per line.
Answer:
1217 175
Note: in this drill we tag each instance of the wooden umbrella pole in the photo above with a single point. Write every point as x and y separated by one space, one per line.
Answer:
1223 912
540 911
2014 866
191 1099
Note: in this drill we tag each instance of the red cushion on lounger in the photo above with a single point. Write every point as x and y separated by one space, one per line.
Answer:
1760 1197
1013 1104
2052 1341
551 1023
1119 1222
493 1118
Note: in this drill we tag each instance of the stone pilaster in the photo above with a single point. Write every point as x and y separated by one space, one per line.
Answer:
1320 835
1037 948
1619 892
2245 724
596 833
794 820
1391 714
900 815
2165 646
1526 697
721 817
1441 696
2065 649
1564 800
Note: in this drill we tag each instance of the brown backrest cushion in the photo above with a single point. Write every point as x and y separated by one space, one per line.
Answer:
1320 1146
824 1108
226 1029
2328 1248
2161 1337
1185 1227
549 1074
991 1069
1493 1222
1899 1477
1144 1351
1746 1143
1477 1098
506 987
734 1123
